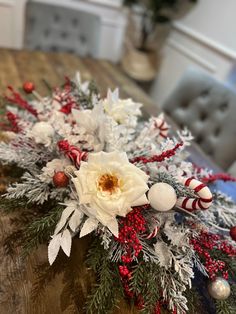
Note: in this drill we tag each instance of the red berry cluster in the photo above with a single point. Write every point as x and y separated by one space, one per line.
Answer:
130 226
227 249
13 119
205 243
126 274
158 307
158 158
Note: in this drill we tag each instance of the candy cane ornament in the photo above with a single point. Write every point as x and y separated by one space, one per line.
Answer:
161 125
152 234
72 152
204 199
156 130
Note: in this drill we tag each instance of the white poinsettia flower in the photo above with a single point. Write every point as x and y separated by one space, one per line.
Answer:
51 167
123 111
42 132
110 185
86 119
90 123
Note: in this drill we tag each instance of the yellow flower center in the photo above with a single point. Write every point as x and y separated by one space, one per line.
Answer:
108 183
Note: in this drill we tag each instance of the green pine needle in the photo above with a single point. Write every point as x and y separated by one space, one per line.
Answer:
106 293
40 230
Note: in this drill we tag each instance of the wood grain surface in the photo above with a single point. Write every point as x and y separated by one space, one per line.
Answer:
18 276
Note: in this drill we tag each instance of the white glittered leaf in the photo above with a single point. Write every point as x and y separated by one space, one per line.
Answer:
64 216
177 237
75 220
177 267
89 226
113 227
53 248
66 242
163 253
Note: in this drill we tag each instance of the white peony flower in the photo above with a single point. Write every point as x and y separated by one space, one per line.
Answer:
110 185
42 132
123 111
51 167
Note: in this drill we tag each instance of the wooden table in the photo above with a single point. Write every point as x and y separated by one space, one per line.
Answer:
16 275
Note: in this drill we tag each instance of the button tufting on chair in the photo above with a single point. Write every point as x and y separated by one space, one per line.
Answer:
58 28
208 109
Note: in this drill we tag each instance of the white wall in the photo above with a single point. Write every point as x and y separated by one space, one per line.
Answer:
215 19
12 23
205 38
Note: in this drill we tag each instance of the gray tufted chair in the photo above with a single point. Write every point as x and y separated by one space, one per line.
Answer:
57 28
208 109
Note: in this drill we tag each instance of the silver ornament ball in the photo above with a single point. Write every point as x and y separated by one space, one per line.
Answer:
219 289
162 196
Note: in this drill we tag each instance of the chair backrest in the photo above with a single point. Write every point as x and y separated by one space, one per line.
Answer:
208 109
51 27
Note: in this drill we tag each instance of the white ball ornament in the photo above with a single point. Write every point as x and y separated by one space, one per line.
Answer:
162 196
219 289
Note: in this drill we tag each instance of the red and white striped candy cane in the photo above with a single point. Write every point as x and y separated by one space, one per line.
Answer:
204 199
76 155
72 152
152 234
161 124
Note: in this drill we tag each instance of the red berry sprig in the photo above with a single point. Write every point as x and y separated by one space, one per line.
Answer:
130 227
204 244
125 275
218 176
16 98
14 120
157 158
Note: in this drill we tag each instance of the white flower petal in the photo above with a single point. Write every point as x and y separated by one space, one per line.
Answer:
83 197
113 227
141 201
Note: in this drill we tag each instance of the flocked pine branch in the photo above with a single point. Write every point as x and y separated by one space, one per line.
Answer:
31 187
23 152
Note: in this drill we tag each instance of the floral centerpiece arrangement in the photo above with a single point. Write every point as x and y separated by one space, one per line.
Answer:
92 165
